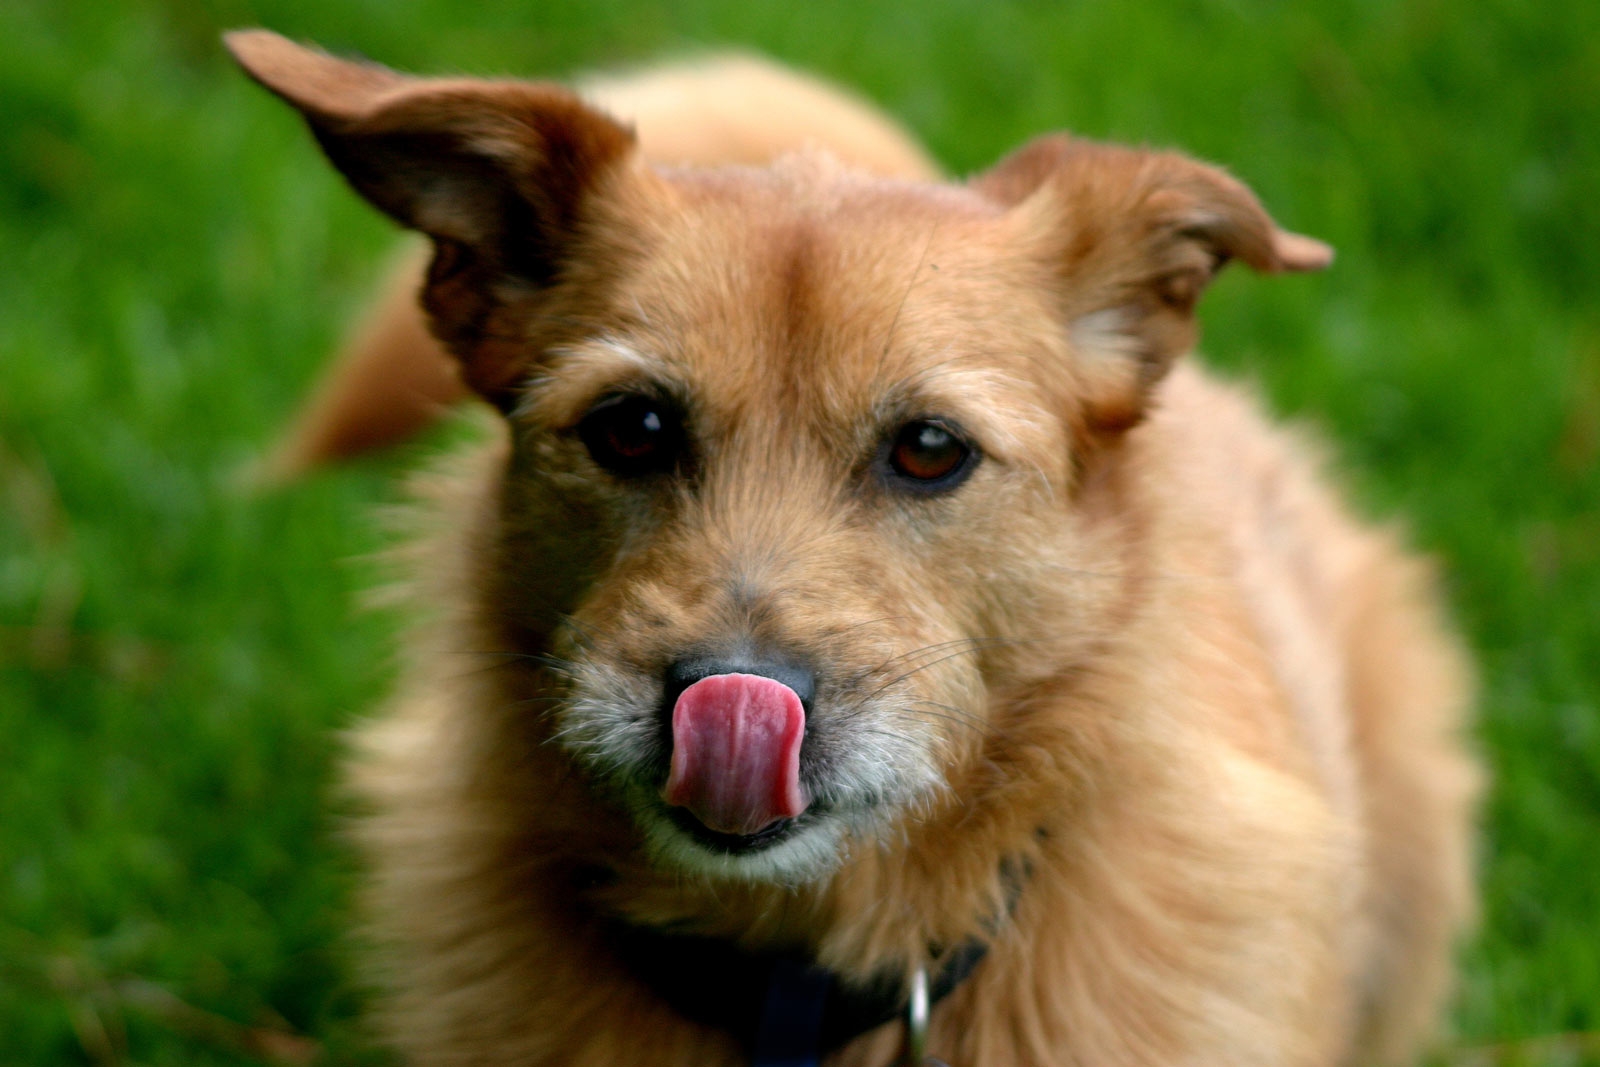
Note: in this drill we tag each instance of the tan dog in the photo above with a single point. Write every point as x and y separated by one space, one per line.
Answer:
863 584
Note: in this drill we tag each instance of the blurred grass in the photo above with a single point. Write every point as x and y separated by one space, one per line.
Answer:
176 659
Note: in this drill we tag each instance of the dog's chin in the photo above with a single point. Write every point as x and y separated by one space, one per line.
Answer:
795 851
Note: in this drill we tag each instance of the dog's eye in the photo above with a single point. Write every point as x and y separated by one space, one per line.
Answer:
928 456
633 435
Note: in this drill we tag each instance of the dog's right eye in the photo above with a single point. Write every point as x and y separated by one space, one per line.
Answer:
633 435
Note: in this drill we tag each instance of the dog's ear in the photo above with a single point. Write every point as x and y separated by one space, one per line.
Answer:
497 173
1133 238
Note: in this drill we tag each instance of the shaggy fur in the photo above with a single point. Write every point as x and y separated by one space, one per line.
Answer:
1140 652
392 379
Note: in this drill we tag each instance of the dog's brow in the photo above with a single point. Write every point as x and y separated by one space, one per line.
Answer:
619 351
581 369
999 407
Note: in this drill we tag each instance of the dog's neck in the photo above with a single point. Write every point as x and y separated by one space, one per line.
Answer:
781 1005
889 909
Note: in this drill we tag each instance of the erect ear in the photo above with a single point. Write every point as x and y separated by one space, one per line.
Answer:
495 172
1134 237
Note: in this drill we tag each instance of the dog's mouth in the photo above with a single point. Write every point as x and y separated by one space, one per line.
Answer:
741 773
734 844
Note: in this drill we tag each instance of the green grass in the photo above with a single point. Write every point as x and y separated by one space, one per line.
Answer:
177 659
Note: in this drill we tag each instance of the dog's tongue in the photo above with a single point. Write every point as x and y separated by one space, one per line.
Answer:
736 752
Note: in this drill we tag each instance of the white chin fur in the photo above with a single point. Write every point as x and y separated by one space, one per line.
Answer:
808 855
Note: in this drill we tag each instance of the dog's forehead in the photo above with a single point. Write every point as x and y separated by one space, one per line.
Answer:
803 255
828 288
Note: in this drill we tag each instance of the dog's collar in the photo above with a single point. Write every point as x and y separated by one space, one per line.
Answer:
784 1009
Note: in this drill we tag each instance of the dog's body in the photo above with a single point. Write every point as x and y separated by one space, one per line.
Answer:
1044 643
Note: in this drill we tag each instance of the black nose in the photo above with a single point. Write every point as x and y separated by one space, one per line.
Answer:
685 672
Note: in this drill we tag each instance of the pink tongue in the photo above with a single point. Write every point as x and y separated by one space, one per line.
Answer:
736 752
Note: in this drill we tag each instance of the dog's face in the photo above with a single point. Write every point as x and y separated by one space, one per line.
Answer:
793 511
807 432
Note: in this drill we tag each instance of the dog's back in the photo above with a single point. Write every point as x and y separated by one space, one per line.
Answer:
1345 624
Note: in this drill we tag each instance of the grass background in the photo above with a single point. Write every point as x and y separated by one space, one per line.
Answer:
176 658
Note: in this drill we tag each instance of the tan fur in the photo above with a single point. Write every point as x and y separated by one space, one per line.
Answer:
1141 653
391 379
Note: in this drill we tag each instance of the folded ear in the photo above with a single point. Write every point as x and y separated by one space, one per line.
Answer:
495 172
1133 238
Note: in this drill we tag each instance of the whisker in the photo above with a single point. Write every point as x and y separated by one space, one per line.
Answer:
922 667
926 650
973 644
954 716
851 628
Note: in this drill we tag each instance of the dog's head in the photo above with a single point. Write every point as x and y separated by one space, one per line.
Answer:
795 511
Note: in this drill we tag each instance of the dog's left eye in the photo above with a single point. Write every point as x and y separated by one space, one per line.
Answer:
633 435
928 456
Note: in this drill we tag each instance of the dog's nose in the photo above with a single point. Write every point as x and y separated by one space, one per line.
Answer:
685 672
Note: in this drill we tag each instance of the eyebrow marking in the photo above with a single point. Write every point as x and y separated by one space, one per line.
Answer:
584 366
624 352
989 401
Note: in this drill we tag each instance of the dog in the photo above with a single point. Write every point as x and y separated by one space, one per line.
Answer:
869 634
